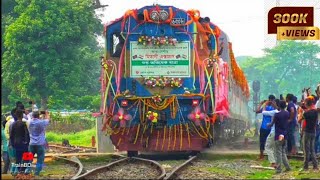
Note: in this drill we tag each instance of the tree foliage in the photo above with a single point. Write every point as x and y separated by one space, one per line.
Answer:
286 68
51 51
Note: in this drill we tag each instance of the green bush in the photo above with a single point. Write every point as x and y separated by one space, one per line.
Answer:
84 119
82 138
88 102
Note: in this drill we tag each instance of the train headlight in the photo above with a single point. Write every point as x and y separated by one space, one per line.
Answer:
154 16
195 102
124 103
164 15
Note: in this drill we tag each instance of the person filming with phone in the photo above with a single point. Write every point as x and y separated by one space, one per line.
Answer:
37 129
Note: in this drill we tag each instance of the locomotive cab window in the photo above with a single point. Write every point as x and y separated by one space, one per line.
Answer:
117 42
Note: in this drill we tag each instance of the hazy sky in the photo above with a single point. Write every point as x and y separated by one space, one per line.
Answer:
243 20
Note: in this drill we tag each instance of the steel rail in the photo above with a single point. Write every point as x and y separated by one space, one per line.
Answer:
174 172
121 161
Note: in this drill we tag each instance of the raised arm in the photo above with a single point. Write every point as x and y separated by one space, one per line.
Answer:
261 106
270 113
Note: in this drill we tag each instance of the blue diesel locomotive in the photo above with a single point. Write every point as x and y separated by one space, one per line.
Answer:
170 82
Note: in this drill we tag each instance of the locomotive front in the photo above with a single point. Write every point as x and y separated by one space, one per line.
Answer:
163 82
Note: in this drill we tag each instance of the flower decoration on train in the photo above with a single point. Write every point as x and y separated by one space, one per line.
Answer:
152 116
176 82
157 98
157 41
122 117
196 115
105 65
150 82
163 82
210 62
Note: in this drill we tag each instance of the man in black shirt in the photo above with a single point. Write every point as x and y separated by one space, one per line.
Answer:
19 137
281 120
309 134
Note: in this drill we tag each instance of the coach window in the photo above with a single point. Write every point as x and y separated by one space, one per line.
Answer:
117 42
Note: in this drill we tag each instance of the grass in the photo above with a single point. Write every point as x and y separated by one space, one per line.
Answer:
261 174
222 171
228 156
297 165
82 138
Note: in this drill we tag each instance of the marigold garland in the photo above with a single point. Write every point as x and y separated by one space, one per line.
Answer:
157 142
115 128
156 98
208 128
202 136
187 127
181 133
144 129
238 74
151 128
169 140
175 137
159 41
137 134
204 132
123 131
164 137
119 141
162 82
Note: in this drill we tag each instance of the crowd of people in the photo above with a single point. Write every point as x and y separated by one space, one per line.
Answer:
23 135
289 126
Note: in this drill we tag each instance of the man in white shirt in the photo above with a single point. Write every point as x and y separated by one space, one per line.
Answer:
270 143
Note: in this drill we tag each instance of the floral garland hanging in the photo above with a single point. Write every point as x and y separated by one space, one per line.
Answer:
159 41
157 98
163 82
152 116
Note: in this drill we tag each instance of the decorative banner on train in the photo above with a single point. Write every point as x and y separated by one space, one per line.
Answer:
165 60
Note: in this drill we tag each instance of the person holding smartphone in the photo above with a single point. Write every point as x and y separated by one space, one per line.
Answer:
37 129
310 118
281 127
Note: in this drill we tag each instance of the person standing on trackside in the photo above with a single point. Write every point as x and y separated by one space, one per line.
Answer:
19 138
264 129
5 153
281 128
270 143
310 117
37 128
291 108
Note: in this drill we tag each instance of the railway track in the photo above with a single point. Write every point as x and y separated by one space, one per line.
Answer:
133 168
74 161
72 149
174 173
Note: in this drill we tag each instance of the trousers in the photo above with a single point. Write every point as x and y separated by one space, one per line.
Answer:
270 147
281 155
309 150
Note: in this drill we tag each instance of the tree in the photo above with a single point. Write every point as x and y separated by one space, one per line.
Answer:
51 50
286 68
7 17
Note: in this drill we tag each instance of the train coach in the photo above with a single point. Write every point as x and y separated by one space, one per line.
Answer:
170 82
